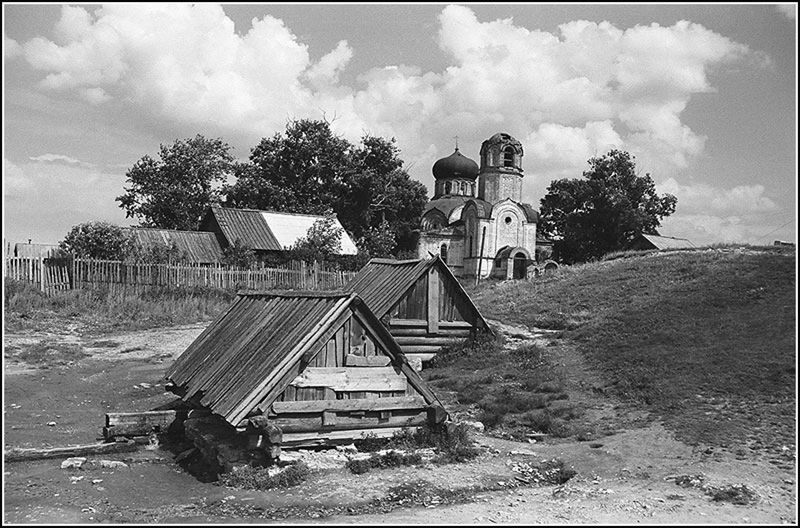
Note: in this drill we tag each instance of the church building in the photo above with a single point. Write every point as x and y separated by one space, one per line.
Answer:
476 220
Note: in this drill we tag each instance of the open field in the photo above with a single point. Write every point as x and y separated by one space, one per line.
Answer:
628 454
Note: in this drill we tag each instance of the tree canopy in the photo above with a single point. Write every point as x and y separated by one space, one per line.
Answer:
308 169
174 191
97 240
603 211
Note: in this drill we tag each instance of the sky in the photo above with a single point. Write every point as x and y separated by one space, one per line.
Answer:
703 95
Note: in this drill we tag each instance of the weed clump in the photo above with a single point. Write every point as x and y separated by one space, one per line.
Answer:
733 494
387 460
259 478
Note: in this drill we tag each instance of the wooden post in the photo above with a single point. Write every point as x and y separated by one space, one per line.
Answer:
480 257
41 274
433 301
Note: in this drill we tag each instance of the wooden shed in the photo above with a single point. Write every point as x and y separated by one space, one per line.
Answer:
421 301
318 365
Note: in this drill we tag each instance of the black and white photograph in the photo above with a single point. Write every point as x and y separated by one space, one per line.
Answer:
399 263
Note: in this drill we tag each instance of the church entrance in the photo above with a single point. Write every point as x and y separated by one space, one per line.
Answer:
520 266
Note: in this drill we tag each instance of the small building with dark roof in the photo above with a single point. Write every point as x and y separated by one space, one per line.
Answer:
645 241
264 231
199 247
318 365
421 302
496 232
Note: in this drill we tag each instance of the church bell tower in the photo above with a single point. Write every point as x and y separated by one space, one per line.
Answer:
500 175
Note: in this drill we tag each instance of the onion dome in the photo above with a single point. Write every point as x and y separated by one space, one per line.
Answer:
456 165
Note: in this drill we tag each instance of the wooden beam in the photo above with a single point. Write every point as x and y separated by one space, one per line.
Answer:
144 418
433 300
352 379
351 360
430 341
344 422
19 454
453 333
421 349
347 436
379 404
421 357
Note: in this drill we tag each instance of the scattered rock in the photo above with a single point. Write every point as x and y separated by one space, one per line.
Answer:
478 427
76 479
51 424
74 462
97 481
112 464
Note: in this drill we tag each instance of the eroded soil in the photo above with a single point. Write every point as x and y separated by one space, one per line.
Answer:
626 477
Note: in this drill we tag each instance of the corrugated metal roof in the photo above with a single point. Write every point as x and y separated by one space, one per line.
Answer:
662 242
198 246
271 230
383 282
242 356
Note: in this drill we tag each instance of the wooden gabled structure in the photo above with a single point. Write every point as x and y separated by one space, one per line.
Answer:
319 365
421 301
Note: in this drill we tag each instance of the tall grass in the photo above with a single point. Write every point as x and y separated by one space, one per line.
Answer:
674 330
100 311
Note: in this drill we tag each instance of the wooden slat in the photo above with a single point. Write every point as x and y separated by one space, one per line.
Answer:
420 349
429 341
398 332
404 402
19 454
144 418
331 421
421 357
351 379
433 300
366 361
328 437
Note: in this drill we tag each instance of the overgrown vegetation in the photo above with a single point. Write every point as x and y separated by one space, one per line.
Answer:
452 442
381 461
515 390
260 479
27 308
705 339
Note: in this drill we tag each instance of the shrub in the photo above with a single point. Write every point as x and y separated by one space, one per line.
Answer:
387 460
453 442
259 478
734 494
97 240
370 442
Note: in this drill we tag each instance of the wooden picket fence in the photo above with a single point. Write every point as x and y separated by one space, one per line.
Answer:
56 274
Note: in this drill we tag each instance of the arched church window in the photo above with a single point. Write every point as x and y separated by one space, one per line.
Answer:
472 189
470 246
448 187
443 253
508 156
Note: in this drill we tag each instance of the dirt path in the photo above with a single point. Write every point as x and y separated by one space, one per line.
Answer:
623 478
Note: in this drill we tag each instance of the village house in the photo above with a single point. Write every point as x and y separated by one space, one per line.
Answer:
644 242
197 247
319 366
476 220
265 232
421 302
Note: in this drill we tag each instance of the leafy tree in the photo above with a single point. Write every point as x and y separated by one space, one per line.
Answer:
603 211
310 170
323 239
97 240
174 191
238 255
378 241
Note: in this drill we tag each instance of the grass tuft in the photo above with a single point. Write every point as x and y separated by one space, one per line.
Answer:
259 478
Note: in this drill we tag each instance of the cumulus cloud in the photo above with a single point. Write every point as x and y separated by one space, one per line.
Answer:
567 95
790 10
11 48
46 199
701 198
59 158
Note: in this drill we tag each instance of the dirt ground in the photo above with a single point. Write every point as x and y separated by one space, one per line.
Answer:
625 478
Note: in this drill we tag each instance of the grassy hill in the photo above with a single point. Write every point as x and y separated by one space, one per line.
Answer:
703 339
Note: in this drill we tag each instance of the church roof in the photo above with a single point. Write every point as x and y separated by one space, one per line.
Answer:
483 207
456 165
446 205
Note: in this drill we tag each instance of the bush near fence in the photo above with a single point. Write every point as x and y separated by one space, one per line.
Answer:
51 275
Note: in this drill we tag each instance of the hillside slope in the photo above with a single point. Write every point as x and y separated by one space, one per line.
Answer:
703 339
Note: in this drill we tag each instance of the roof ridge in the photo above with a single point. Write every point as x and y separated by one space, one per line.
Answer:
273 211
294 293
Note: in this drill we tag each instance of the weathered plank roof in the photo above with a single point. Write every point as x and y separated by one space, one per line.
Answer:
383 282
662 242
25 250
245 353
270 230
198 246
